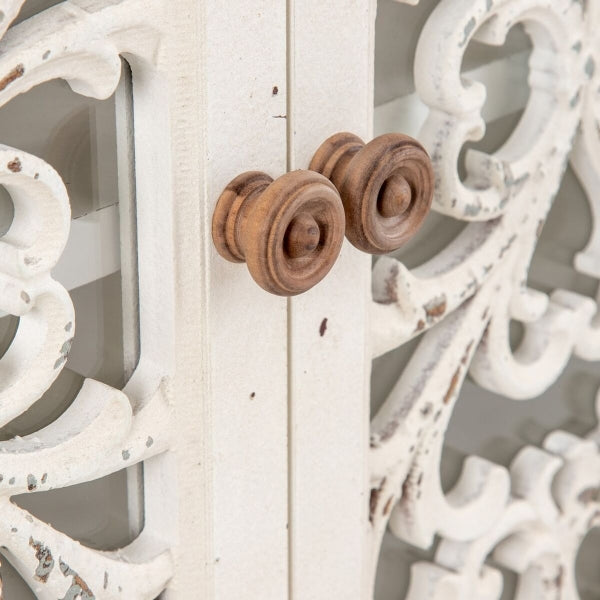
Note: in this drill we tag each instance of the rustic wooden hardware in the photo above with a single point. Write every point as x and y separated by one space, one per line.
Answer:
386 187
289 231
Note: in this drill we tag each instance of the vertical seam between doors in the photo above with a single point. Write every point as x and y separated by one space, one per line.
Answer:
289 167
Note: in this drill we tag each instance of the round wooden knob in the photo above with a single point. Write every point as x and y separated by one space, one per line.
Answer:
288 231
386 187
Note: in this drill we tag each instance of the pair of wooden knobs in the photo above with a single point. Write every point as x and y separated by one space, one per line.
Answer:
290 230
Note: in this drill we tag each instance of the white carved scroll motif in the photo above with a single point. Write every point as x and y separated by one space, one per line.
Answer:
533 516
105 429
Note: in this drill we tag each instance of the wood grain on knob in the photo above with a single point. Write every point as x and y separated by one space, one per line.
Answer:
386 187
289 231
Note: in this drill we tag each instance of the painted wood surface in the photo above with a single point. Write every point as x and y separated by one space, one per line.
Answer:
244 424
194 404
462 301
243 381
329 360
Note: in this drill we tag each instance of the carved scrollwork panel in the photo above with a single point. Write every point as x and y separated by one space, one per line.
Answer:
105 429
531 517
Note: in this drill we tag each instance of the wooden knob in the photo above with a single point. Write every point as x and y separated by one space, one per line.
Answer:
288 231
386 187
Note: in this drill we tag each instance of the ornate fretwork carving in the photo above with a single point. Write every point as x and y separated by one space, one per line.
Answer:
533 516
105 429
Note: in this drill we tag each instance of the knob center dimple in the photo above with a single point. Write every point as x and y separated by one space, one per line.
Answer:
302 236
394 197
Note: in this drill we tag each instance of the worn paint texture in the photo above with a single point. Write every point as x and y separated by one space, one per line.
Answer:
532 516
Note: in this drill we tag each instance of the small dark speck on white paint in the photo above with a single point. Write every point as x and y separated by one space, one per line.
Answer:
323 327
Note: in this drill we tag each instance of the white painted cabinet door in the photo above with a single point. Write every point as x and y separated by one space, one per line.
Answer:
171 430
331 74
191 468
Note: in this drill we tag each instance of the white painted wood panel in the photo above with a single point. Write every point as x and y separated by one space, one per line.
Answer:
206 407
243 385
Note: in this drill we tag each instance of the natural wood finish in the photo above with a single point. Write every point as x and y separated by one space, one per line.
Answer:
288 231
386 187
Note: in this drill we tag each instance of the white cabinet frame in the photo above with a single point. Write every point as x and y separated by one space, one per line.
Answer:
250 412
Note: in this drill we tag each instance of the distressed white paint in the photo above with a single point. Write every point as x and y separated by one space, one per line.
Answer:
212 432
104 429
533 516
215 526
331 90
504 96
250 413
